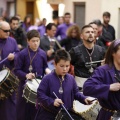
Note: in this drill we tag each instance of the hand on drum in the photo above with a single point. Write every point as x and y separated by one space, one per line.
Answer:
30 76
115 87
89 101
57 102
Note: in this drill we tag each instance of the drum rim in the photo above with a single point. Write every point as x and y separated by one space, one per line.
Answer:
5 77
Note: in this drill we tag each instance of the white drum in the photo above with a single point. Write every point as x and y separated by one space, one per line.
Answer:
89 112
30 90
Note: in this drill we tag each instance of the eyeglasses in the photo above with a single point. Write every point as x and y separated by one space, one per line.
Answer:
5 30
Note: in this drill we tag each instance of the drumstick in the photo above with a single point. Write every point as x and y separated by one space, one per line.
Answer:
64 108
5 59
87 63
36 80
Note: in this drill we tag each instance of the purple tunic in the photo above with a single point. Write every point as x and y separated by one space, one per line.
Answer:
8 106
27 111
42 30
61 30
98 86
51 83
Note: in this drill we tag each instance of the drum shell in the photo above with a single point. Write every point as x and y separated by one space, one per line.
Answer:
9 84
62 115
29 95
30 90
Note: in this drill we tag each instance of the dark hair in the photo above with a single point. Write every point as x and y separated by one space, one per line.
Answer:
32 33
14 18
113 48
49 26
85 26
106 14
92 23
98 22
61 55
67 13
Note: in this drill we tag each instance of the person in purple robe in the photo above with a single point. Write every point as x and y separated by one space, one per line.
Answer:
104 84
27 23
8 50
30 63
62 84
62 28
42 28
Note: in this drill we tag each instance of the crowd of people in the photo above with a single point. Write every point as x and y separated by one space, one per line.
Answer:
70 64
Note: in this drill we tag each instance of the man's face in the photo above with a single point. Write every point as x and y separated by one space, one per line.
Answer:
95 28
67 18
14 24
87 35
52 32
4 31
106 19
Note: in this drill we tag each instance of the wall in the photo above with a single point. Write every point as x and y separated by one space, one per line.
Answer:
113 6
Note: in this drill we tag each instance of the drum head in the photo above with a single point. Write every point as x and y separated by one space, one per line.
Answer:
81 108
33 84
3 74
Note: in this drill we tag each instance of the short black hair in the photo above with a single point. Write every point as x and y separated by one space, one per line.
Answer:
32 33
85 26
61 55
14 18
106 14
49 26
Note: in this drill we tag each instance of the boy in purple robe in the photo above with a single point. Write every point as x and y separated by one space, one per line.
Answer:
62 84
8 49
105 83
31 63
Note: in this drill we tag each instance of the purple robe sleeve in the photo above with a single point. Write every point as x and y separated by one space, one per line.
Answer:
18 67
42 93
95 86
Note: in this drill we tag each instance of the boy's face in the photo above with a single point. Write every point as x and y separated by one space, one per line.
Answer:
34 43
62 67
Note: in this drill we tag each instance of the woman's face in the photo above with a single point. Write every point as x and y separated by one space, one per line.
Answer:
116 57
74 33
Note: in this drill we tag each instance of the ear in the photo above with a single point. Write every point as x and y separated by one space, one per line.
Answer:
81 36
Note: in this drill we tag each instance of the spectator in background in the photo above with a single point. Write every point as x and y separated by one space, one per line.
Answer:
97 40
72 39
35 26
109 28
60 20
42 28
18 33
5 16
48 44
27 23
62 28
103 34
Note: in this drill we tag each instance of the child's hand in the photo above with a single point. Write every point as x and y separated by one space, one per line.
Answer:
57 102
89 100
